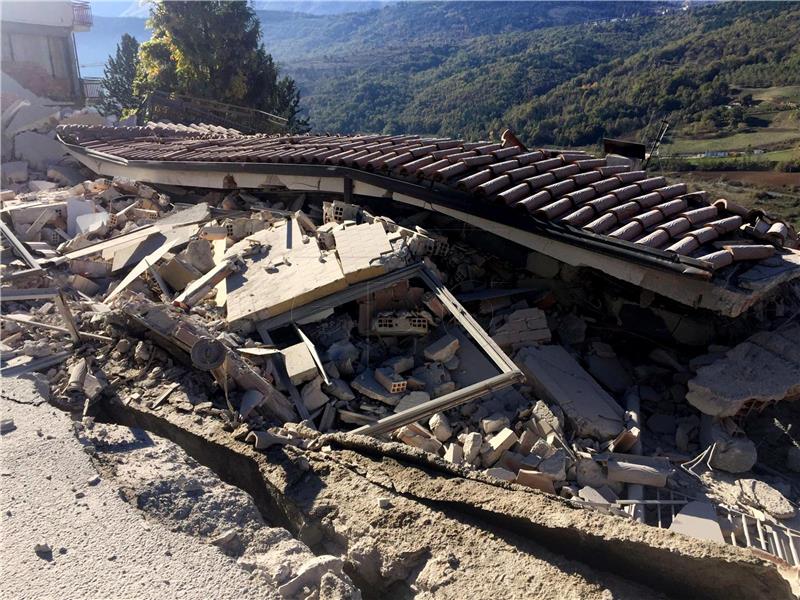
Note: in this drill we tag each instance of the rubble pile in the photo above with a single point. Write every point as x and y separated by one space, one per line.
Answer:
286 319
32 158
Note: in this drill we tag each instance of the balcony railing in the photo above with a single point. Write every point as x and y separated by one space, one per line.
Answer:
91 88
81 14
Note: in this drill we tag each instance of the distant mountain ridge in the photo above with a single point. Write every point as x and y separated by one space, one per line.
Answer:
566 72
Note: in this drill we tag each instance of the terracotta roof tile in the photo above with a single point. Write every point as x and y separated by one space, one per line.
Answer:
571 187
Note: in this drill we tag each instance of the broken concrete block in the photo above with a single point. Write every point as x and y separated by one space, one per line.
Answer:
14 171
96 222
454 453
366 384
526 441
410 400
363 251
178 273
310 574
501 474
440 427
765 497
40 185
391 381
251 400
312 394
339 389
472 446
642 470
511 461
698 520
200 255
536 480
442 349
732 453
555 466
501 442
608 370
494 423
436 379
601 496
300 363
39 149
87 286
763 368
555 375
590 472
521 328
547 421
77 207
64 175
399 364
416 436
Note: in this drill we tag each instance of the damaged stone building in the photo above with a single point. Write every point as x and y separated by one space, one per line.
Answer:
439 367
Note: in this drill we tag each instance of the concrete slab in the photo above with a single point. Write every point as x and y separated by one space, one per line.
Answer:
556 376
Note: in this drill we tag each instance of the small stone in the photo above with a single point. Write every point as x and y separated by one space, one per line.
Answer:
312 394
7 426
94 480
762 495
497 446
454 453
589 472
384 503
339 389
555 466
494 423
546 419
442 349
440 427
42 549
501 473
472 446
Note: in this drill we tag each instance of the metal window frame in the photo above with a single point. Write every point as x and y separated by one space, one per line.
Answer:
509 372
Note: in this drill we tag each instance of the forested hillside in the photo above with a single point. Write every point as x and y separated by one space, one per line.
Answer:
557 73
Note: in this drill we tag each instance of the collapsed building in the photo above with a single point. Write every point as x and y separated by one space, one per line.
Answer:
532 317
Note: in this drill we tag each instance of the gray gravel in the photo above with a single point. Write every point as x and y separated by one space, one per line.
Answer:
102 547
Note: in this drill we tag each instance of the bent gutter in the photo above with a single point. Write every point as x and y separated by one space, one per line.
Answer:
688 279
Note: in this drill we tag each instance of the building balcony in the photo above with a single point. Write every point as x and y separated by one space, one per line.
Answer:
81 16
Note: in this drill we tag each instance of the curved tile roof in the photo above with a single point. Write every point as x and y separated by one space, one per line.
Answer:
598 195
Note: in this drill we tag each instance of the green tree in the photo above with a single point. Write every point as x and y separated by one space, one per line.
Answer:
116 91
213 50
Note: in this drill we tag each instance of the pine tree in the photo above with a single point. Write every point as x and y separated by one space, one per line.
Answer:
213 50
116 93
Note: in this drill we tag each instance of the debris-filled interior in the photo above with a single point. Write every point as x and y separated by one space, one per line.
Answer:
278 311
